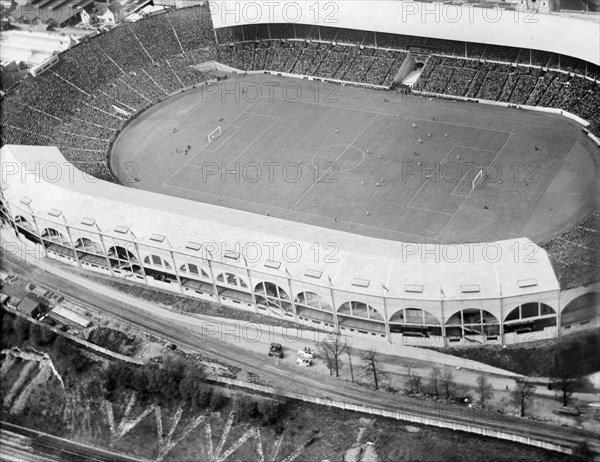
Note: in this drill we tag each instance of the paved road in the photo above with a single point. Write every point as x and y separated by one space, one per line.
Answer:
286 376
19 444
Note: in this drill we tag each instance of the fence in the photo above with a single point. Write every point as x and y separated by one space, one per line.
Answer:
402 415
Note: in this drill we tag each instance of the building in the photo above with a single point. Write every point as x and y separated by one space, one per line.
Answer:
405 293
30 307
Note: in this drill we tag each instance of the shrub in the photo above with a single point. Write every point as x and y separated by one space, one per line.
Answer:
270 410
217 401
245 407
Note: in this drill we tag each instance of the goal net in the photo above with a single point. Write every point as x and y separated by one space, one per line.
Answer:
478 178
214 134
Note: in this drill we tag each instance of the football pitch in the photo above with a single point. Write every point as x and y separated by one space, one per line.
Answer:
382 164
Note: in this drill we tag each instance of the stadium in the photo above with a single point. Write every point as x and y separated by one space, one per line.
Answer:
378 170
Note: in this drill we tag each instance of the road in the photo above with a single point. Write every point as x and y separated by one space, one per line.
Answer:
280 374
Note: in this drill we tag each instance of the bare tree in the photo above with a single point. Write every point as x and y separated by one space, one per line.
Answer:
348 352
372 367
413 381
434 380
328 359
565 372
333 350
522 395
447 383
485 390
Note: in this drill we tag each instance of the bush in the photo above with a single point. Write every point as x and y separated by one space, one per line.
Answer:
217 401
270 410
69 357
245 407
22 328
192 388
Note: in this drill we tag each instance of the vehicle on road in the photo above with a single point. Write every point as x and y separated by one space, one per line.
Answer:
306 353
305 362
276 350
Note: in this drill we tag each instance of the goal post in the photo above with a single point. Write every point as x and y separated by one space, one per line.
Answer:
477 179
214 134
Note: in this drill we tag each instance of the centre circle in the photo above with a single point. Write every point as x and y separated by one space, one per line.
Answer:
346 157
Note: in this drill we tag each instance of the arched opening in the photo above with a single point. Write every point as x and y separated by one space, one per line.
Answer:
53 236
529 317
159 268
193 278
360 310
232 280
55 242
157 261
232 287
193 271
271 296
122 259
90 252
22 222
415 322
313 307
582 309
473 324
26 229
83 244
361 317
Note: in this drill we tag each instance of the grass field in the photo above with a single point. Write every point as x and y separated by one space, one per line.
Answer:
376 163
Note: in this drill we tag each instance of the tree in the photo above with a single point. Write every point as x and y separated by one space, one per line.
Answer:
413 381
372 368
270 410
332 352
434 380
22 328
565 373
328 360
193 389
522 395
485 390
447 383
348 352
245 407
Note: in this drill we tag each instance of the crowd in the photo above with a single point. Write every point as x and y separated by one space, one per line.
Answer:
82 102
575 255
349 63
512 84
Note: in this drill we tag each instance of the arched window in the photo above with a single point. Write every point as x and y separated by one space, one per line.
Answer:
472 316
271 290
312 300
360 309
232 280
472 322
50 234
121 253
272 296
22 222
84 244
529 310
414 316
193 270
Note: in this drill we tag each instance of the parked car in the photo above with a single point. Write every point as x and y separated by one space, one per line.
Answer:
305 362
305 353
276 350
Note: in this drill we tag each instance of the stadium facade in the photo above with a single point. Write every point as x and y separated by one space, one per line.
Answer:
498 292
